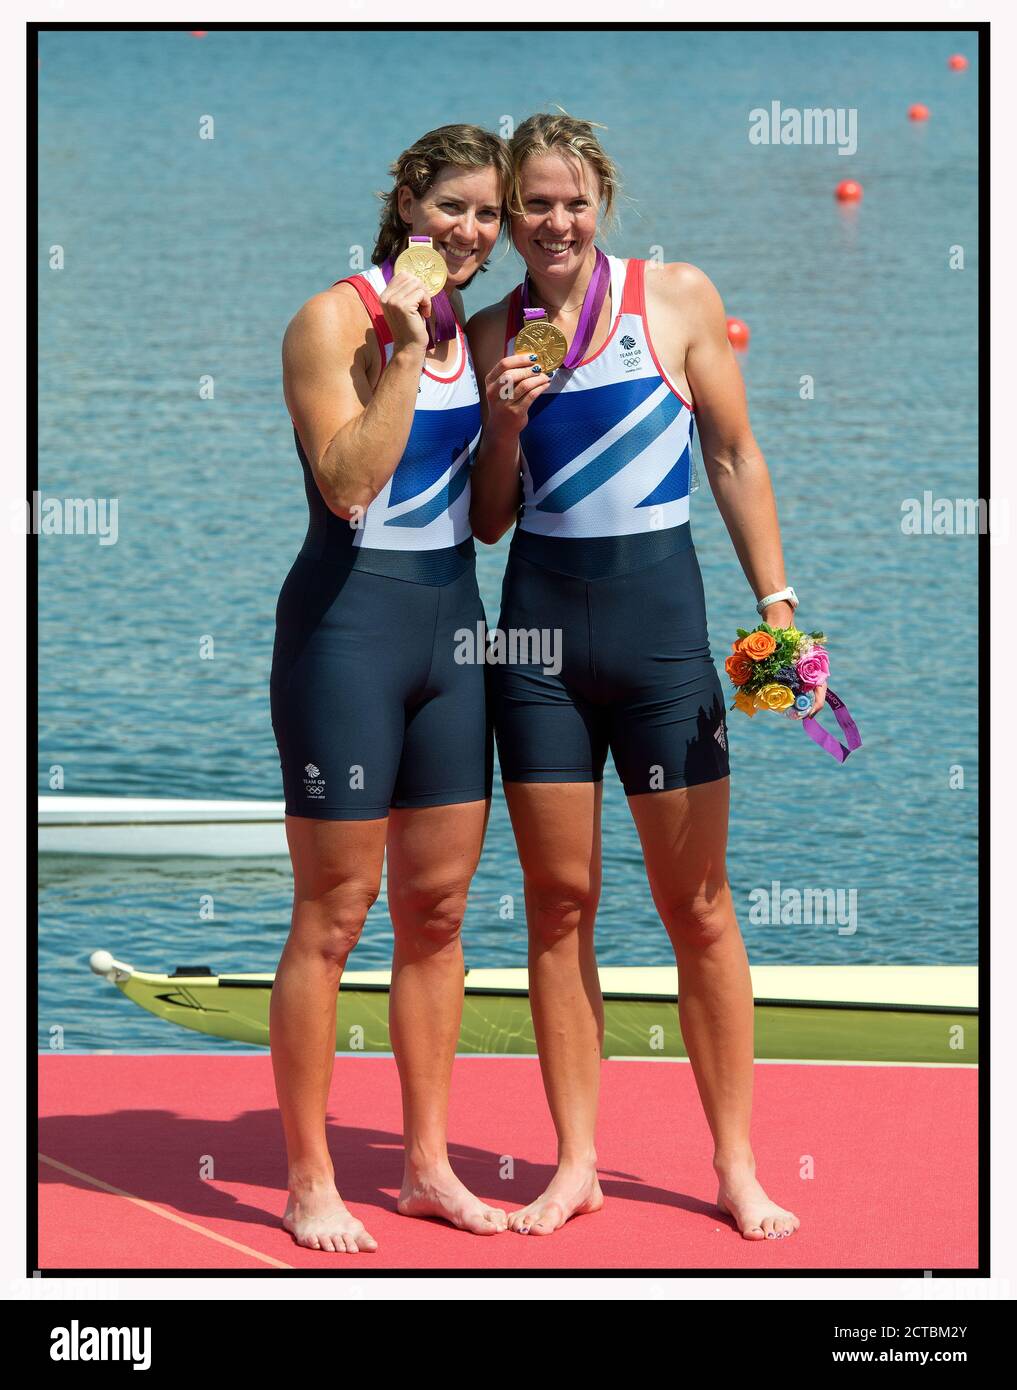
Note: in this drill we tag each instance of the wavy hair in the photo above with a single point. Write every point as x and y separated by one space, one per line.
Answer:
550 132
458 146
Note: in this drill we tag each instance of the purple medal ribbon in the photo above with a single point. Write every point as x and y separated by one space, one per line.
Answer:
593 302
826 740
442 324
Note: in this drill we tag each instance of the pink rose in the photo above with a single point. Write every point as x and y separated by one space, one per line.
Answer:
814 668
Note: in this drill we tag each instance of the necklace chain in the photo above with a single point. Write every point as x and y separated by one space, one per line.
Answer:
558 308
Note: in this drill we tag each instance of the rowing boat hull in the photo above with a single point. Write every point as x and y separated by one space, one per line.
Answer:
862 1014
149 828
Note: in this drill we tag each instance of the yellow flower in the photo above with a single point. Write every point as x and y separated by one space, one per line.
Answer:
774 696
743 701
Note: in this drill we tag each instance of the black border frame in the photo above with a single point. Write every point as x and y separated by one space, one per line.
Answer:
362 1271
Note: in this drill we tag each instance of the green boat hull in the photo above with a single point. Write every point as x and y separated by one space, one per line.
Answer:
895 1016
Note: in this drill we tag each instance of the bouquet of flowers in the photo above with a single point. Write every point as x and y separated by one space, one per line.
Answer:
777 668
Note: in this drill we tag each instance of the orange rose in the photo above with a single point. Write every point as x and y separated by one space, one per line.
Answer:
758 645
745 702
739 667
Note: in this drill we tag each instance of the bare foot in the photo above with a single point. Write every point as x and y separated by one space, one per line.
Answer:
573 1191
438 1192
317 1218
755 1215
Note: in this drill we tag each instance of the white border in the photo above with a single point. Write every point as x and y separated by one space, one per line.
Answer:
1004 670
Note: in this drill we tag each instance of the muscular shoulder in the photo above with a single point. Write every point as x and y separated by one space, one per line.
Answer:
683 289
333 322
325 313
486 330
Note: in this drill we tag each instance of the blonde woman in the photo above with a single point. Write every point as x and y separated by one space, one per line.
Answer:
594 461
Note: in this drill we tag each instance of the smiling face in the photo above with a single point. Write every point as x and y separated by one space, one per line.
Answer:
558 225
461 213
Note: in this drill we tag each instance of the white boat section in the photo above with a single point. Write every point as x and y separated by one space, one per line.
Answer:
914 986
139 826
852 986
910 986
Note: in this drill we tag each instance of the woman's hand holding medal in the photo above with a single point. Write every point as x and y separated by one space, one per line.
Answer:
419 274
511 387
541 348
406 304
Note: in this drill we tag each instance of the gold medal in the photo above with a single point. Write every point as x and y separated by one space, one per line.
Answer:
422 260
549 343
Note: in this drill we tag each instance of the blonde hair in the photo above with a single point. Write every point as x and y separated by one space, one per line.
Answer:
559 133
462 147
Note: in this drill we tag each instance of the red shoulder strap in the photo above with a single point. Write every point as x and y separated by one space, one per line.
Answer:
371 302
633 301
512 317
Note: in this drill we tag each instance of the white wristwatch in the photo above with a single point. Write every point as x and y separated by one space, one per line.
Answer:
785 595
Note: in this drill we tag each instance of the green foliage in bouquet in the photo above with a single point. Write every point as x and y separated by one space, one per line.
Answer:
785 652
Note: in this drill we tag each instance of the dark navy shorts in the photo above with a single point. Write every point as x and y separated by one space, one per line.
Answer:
636 672
370 708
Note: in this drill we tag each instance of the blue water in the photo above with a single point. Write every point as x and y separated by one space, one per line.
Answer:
186 258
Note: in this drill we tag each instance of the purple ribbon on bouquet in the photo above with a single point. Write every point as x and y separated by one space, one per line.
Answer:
593 302
826 740
442 324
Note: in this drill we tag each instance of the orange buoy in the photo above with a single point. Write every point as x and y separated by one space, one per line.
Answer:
738 334
848 191
918 112
957 62
199 33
